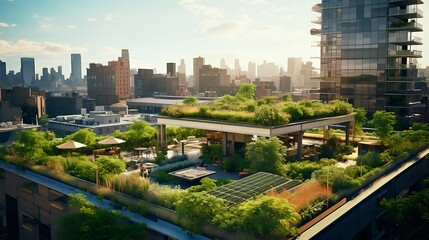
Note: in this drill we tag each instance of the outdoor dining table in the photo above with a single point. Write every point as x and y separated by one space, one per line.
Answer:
140 150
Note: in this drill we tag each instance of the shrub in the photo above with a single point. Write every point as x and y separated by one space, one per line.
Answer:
131 184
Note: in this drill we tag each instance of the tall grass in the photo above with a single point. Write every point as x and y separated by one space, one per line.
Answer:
304 195
131 184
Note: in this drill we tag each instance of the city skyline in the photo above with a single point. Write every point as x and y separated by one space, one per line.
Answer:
158 32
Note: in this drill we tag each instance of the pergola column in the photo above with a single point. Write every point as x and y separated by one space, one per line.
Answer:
162 137
225 143
299 142
347 133
233 144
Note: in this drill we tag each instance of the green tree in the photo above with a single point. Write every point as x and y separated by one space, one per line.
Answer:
409 214
93 223
189 100
109 166
140 133
246 90
287 97
383 123
43 119
264 217
360 119
31 144
197 209
266 155
85 136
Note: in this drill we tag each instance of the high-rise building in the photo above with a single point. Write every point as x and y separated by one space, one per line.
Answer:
294 66
2 72
28 72
251 71
237 68
171 69
369 56
285 84
109 84
76 67
198 63
125 55
182 67
223 64
181 72
147 84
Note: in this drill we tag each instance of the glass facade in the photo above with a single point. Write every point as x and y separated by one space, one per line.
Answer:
368 56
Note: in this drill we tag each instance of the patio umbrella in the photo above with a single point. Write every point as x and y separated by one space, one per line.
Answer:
71 145
111 141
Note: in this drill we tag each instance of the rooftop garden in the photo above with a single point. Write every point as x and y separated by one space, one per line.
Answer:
268 111
279 213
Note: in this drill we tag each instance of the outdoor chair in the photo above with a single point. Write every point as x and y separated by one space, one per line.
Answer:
244 173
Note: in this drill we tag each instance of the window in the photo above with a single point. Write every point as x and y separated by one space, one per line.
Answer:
27 222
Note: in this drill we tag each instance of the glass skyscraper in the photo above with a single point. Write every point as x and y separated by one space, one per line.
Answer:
368 55
76 67
28 72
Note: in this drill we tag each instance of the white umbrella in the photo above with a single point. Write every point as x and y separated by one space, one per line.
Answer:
111 141
71 145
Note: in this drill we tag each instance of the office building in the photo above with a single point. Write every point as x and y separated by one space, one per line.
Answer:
251 71
125 56
210 78
28 73
237 68
369 56
182 66
285 84
171 69
2 73
31 102
198 63
148 84
294 66
76 67
109 84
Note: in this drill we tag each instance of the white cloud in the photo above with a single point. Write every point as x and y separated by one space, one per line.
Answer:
72 26
111 17
90 19
230 29
33 48
198 8
44 22
5 25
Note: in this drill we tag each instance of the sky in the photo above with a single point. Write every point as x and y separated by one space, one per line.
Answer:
157 32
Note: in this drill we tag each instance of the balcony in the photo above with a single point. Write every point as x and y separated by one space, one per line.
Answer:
405 40
411 26
315 31
403 66
402 3
405 53
317 8
317 20
405 79
403 14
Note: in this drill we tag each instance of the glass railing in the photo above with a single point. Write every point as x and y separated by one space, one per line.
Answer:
317 20
400 24
405 53
317 8
408 10
403 39
403 66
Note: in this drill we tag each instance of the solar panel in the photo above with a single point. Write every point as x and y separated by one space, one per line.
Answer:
251 186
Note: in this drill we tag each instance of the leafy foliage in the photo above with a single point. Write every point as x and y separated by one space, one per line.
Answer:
198 208
90 222
207 184
108 166
410 214
266 155
33 144
189 100
246 91
269 116
140 133
264 217
383 122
